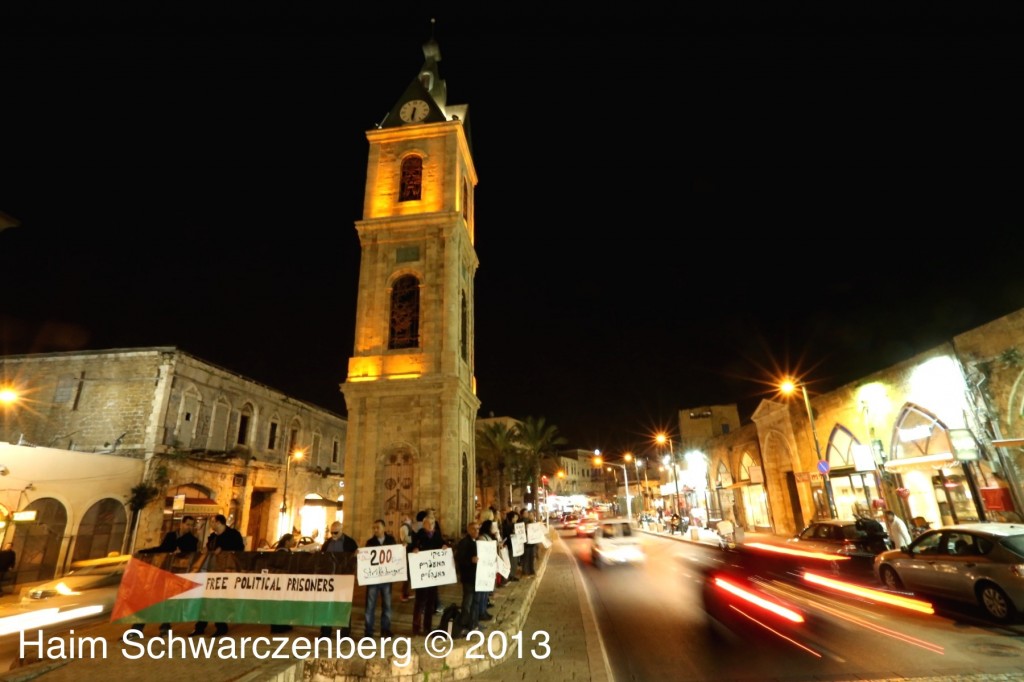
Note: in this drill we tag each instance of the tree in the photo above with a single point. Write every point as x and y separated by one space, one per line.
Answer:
538 440
495 455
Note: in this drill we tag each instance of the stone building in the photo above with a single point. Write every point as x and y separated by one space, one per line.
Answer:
207 440
936 438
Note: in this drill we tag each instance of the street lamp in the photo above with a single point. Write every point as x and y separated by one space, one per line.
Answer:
298 454
661 439
787 387
625 474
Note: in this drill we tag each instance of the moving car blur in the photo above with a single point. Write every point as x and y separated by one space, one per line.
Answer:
87 591
615 542
586 527
979 563
845 537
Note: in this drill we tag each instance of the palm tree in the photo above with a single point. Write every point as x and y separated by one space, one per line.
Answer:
497 445
539 440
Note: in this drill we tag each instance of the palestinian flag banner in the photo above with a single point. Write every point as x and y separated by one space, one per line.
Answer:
153 595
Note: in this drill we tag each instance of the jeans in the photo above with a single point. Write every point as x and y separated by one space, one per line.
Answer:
468 617
372 593
481 600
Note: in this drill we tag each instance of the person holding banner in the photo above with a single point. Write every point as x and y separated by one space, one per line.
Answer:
181 541
381 591
337 541
483 599
222 539
529 551
425 603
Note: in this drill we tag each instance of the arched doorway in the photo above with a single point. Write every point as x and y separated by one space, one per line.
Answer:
38 543
101 531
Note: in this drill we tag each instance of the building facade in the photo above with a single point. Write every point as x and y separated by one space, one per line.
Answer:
203 440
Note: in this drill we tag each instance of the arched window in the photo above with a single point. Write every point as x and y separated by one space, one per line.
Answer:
404 331
412 179
38 544
101 531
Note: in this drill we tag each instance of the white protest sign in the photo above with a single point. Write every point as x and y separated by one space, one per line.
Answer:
535 533
519 539
504 565
431 567
384 564
486 565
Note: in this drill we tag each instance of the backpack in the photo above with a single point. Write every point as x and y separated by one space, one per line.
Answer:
450 619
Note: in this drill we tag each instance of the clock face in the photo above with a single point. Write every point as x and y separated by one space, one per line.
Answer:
414 111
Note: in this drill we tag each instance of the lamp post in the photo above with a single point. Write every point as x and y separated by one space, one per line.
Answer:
287 467
598 459
661 439
787 387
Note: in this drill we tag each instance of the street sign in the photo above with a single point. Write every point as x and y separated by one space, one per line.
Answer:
823 466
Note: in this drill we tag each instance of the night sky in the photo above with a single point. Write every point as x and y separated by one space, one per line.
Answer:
672 209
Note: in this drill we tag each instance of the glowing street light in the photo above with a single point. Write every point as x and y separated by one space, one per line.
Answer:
787 387
661 439
598 459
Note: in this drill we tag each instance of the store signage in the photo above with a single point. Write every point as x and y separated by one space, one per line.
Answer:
965 447
863 457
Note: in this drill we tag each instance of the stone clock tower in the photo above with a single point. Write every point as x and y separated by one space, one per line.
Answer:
410 389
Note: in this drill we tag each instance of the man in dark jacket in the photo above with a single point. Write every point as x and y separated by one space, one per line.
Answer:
380 591
222 539
426 538
465 561
180 541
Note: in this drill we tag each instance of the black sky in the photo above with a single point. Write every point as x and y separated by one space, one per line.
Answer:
671 207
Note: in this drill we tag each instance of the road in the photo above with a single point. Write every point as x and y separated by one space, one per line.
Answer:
653 626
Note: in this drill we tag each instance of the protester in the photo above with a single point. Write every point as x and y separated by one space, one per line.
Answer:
285 544
180 541
380 591
508 529
337 541
222 539
465 561
483 599
405 533
426 538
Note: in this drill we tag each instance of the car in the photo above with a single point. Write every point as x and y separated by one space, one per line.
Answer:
977 563
615 541
839 536
586 527
307 544
88 590
569 522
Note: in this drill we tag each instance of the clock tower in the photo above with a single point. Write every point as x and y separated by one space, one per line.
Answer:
410 389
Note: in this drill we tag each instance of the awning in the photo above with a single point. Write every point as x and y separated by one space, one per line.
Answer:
909 462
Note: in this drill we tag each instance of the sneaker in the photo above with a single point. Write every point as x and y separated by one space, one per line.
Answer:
326 631
440 609
196 633
219 632
386 633
487 616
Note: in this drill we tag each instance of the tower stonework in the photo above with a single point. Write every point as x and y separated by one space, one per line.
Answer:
410 389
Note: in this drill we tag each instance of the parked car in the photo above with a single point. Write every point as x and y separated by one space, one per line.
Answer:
979 563
307 544
615 542
839 536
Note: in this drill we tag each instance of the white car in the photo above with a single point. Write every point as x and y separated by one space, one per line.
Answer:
86 592
615 541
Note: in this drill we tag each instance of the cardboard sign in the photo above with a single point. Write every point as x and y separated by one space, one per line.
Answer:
486 565
432 567
504 564
519 540
535 533
384 564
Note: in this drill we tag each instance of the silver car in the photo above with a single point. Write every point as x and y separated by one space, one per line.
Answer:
973 562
